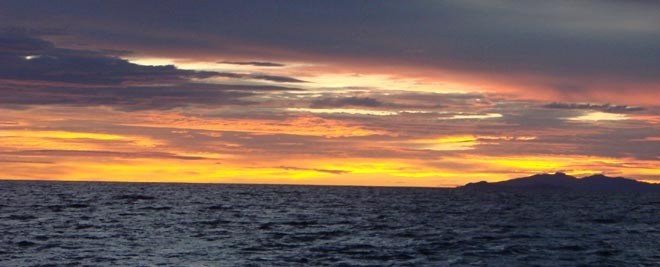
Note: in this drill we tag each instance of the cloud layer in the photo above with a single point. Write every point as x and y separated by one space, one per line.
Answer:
577 50
428 93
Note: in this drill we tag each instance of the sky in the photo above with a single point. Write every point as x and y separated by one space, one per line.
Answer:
384 93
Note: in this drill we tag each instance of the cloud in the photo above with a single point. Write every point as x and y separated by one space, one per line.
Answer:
25 161
132 97
97 153
346 101
30 58
253 63
314 169
599 116
42 31
354 59
590 106
272 78
473 116
27 58
345 111
527 45
20 45
275 78
36 72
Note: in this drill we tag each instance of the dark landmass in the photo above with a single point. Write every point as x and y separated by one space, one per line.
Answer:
563 182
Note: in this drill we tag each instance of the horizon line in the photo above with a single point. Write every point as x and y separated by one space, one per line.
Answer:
294 184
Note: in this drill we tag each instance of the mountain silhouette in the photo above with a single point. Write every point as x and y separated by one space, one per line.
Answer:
562 182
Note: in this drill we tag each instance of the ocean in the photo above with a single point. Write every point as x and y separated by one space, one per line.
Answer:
132 224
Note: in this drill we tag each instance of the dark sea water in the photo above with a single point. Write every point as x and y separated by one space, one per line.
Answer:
114 224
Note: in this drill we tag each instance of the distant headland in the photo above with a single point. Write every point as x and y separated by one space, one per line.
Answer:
562 182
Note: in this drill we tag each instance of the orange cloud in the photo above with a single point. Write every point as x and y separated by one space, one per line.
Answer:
64 140
301 125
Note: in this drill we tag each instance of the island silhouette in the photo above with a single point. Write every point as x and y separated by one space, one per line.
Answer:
560 181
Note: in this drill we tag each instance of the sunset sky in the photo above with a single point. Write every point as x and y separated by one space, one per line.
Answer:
393 93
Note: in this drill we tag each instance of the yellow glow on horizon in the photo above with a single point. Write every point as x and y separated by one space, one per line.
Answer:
149 157
455 162
527 164
331 171
542 163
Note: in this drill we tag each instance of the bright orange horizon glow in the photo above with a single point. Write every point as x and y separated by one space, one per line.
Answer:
80 156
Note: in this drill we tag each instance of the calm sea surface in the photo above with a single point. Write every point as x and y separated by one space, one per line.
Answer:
114 224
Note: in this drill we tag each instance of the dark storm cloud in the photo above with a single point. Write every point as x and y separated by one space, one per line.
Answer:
590 106
35 72
41 31
253 63
561 38
20 45
28 58
92 70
